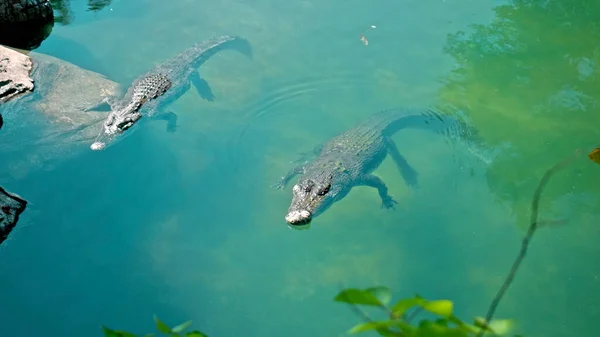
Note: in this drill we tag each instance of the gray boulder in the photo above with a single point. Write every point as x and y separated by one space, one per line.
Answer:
15 69
56 120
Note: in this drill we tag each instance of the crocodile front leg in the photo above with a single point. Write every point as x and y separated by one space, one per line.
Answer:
286 178
408 173
374 181
168 116
306 156
202 86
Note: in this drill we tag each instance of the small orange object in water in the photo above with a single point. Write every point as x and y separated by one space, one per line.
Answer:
595 155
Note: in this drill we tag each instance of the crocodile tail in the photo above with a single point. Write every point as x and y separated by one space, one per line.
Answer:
452 124
210 47
431 119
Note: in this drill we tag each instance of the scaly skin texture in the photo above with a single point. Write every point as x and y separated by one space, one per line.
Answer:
349 159
11 207
162 85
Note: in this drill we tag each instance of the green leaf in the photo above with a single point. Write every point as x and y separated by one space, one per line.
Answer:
116 333
149 335
358 296
441 307
501 326
404 304
373 325
162 327
195 333
428 328
181 327
125 334
383 294
109 333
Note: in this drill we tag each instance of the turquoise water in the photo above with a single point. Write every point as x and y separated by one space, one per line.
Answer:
184 225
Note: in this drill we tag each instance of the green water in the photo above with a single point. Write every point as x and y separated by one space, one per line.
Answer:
185 225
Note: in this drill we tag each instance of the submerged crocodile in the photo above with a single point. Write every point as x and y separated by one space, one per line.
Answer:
162 85
349 159
11 207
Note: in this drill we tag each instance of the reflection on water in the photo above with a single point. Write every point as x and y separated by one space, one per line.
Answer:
530 79
525 73
64 14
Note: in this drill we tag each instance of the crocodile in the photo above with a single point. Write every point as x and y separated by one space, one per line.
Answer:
11 207
165 83
349 159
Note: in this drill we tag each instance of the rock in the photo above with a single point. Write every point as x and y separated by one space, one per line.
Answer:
67 91
15 70
11 207
58 120
28 21
12 11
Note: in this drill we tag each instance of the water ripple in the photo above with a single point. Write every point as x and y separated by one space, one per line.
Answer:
242 150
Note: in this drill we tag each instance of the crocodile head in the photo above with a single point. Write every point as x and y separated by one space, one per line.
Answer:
311 196
115 124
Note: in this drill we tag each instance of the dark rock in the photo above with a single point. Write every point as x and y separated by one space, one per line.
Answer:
11 207
28 21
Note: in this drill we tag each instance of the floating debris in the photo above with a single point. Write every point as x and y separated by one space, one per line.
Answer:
363 38
595 155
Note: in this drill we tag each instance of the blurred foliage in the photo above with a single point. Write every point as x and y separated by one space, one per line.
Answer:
399 316
64 15
529 79
595 155
176 331
397 323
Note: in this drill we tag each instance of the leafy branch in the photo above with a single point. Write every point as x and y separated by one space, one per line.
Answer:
176 331
446 325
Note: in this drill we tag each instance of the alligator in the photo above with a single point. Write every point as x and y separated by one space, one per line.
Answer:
349 159
162 85
11 207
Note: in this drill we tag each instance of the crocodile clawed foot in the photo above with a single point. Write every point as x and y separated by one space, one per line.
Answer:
389 202
278 186
171 127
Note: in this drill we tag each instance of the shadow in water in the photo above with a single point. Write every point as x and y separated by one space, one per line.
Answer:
25 35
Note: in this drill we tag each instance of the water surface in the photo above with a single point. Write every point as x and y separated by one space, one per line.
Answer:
185 225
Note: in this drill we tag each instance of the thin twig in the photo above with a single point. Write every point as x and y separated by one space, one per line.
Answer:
535 203
413 314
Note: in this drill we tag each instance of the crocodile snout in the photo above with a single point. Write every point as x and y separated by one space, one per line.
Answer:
97 146
298 218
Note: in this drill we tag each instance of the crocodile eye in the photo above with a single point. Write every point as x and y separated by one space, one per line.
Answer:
324 190
308 186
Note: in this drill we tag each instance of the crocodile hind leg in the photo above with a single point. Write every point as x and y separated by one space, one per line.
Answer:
409 174
202 87
374 181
